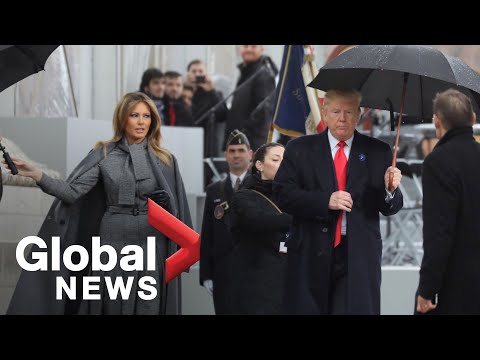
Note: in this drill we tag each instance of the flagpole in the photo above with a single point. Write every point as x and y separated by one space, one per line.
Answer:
313 71
282 82
270 133
309 72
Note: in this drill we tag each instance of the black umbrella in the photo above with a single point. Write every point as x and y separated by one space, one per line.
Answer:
16 63
400 78
19 61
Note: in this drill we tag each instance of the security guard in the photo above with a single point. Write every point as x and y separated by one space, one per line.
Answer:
216 239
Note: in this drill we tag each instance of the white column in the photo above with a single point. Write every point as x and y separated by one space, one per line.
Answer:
104 89
85 101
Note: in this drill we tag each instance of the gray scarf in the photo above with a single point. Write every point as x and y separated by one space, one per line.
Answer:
138 160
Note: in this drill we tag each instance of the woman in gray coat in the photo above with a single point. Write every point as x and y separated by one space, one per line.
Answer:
106 196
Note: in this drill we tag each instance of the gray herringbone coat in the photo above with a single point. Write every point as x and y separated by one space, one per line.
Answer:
76 218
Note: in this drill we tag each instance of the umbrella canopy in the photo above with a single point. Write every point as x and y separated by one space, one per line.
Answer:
19 61
378 72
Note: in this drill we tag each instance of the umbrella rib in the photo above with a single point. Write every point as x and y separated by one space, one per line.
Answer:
363 81
421 97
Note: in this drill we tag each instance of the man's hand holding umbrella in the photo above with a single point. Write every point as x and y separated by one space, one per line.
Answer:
397 178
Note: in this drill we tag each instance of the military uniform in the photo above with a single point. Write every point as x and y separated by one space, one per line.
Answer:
216 239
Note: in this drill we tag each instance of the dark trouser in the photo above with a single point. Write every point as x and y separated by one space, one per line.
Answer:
222 286
338 304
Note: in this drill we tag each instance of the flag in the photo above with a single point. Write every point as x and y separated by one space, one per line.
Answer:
294 103
314 123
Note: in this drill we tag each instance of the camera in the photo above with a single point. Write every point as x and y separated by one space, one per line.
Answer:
200 79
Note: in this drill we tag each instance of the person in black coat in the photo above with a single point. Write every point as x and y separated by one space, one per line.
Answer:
259 230
450 268
335 245
246 100
216 241
204 98
176 112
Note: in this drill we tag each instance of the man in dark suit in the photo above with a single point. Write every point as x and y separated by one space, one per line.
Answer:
335 184
216 242
451 195
176 112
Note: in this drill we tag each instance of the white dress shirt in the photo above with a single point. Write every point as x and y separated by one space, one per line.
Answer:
233 178
346 149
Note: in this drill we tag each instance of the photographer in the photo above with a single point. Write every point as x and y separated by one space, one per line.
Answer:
204 98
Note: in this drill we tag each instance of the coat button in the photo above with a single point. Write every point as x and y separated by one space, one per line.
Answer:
320 253
62 222
325 229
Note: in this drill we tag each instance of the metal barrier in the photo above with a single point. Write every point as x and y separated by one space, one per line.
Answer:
403 240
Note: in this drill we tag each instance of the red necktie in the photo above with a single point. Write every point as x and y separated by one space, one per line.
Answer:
340 162
172 115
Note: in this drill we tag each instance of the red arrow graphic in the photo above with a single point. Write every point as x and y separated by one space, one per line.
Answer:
177 231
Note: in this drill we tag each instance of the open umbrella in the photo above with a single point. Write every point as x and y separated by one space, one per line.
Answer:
400 78
19 61
16 63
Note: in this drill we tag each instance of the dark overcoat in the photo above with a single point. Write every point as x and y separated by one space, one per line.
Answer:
248 97
451 196
216 244
303 186
259 267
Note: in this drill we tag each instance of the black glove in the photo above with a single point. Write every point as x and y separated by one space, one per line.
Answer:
162 198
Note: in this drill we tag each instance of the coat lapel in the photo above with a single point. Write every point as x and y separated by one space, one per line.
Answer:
357 160
162 181
324 170
228 189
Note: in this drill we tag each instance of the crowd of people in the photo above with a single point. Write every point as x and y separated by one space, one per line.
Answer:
192 100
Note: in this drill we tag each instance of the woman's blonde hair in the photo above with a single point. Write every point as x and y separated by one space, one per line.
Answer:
120 117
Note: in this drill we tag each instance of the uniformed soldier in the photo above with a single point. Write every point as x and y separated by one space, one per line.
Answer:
216 239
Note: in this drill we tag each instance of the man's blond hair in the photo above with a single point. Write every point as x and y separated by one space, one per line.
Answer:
350 94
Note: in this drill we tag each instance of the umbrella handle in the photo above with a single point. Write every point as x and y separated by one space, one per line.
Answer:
8 160
402 103
390 182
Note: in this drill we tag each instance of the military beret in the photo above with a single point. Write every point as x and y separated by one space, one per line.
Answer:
237 137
